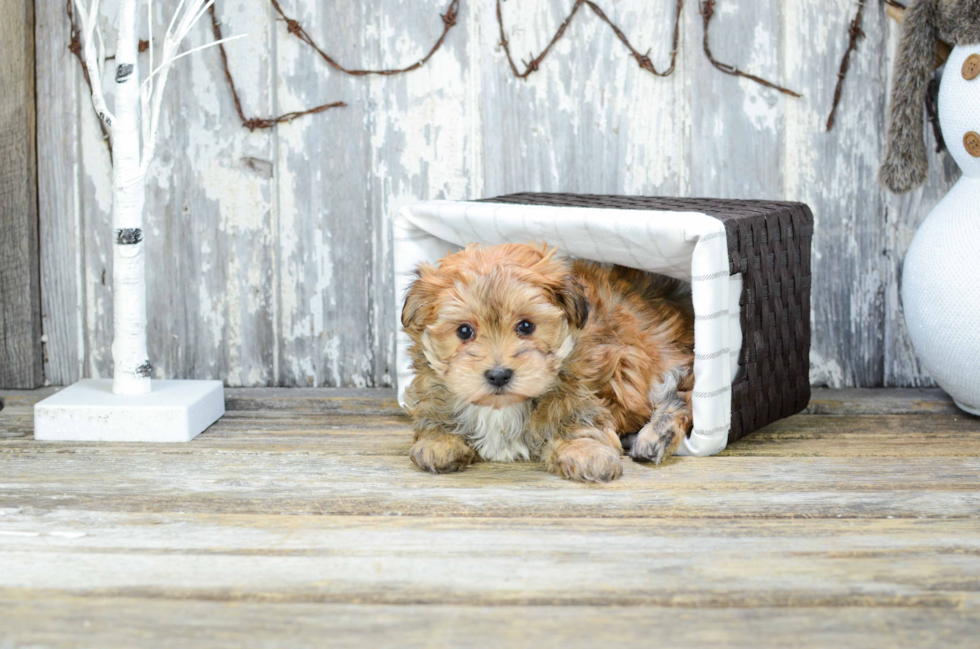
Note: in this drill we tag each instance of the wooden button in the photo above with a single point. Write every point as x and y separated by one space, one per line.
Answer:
972 143
971 67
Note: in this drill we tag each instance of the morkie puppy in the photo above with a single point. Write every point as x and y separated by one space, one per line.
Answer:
521 355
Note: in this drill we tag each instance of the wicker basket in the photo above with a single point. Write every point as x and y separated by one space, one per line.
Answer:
769 244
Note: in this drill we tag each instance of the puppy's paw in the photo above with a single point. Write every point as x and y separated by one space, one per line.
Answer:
445 454
659 439
586 460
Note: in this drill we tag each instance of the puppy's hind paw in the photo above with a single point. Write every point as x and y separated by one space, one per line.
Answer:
657 443
446 454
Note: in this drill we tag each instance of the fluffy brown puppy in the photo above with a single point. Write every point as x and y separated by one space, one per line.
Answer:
522 355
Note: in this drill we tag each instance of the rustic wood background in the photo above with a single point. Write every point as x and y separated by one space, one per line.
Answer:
269 253
20 307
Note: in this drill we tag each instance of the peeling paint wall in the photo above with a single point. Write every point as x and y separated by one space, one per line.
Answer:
269 252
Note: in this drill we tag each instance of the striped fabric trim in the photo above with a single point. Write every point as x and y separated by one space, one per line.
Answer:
710 431
711 316
712 355
415 237
707 278
713 235
715 393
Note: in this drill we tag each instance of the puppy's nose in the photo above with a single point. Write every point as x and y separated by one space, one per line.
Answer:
498 377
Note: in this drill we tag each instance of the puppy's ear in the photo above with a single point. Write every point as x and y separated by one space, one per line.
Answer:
420 297
571 298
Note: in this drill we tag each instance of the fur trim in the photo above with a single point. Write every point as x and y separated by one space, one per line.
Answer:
958 21
906 163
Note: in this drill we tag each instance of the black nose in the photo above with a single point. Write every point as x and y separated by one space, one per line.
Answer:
498 377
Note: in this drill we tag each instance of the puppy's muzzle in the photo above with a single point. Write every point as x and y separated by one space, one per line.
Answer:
499 377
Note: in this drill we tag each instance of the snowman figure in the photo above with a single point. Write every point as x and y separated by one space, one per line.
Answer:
941 275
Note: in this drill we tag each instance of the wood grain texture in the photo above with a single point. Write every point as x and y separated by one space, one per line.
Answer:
500 562
297 518
55 621
737 125
836 174
59 145
20 305
270 255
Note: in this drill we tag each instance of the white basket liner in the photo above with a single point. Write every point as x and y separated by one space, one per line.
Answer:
689 246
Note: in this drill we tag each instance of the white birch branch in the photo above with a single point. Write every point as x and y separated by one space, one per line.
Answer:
94 60
131 365
152 91
137 116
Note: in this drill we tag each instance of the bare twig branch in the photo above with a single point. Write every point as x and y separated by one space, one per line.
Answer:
252 123
707 9
643 60
854 33
297 30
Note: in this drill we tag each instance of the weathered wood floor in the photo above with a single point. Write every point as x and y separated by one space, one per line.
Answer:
298 520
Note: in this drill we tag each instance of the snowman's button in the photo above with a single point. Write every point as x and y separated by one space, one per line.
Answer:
972 143
971 67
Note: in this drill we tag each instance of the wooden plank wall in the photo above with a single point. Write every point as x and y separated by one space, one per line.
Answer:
20 307
269 252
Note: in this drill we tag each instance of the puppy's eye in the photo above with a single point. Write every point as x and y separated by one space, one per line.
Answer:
525 327
465 332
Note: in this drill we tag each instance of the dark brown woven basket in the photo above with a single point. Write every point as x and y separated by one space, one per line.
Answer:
769 244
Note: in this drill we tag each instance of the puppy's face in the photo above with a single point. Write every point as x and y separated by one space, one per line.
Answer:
495 323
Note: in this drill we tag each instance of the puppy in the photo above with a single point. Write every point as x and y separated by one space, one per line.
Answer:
521 355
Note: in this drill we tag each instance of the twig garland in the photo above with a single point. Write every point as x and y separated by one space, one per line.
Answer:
854 33
643 60
294 28
707 9
252 123
297 30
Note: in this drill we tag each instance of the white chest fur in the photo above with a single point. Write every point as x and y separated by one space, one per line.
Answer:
497 434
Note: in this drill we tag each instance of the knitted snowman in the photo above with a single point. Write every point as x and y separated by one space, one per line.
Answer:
941 276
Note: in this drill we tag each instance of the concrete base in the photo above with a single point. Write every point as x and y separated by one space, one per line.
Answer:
88 411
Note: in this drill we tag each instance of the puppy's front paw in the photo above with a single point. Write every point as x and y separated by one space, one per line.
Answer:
444 454
585 460
659 439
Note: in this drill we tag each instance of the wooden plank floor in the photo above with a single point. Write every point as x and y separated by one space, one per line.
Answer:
298 520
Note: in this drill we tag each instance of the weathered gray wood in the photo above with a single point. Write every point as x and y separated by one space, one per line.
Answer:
881 401
298 514
737 126
836 174
337 481
325 234
64 621
590 120
381 401
60 145
410 560
211 196
273 263
20 301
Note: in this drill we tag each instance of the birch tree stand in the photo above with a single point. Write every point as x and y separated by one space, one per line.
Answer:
131 406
